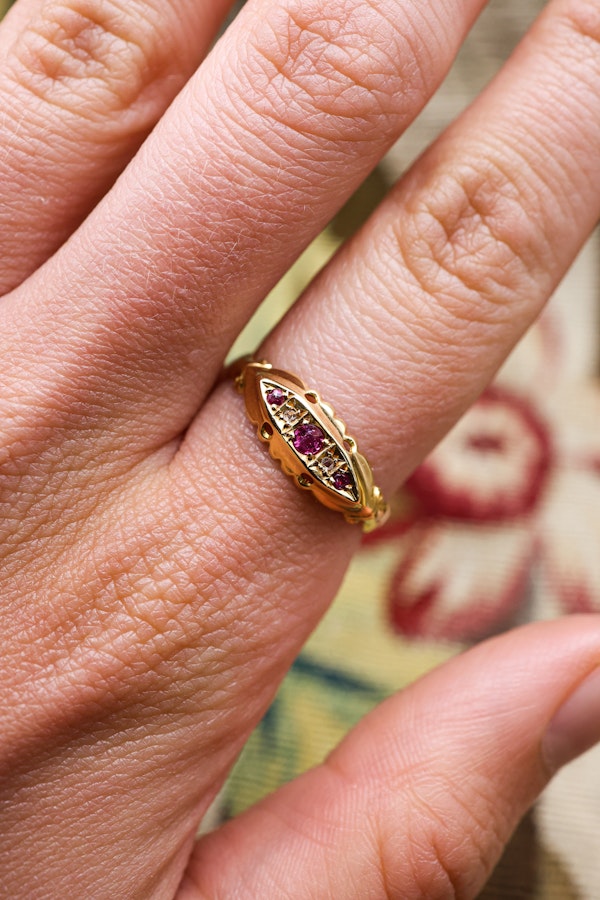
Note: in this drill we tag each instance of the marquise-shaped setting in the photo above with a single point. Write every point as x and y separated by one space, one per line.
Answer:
311 444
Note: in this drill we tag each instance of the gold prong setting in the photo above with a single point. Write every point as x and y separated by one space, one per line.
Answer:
309 441
306 436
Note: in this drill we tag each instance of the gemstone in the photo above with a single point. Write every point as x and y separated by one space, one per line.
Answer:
290 414
276 397
327 463
342 480
308 439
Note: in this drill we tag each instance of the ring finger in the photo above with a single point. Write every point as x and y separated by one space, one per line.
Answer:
408 324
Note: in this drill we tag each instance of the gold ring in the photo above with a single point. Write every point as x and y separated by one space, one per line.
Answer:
310 442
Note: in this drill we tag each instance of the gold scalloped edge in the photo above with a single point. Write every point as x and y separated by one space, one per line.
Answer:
370 516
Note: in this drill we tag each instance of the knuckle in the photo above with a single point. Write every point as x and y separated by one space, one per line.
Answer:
583 18
473 240
317 67
574 52
77 52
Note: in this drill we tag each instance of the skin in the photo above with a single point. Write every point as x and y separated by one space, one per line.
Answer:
153 563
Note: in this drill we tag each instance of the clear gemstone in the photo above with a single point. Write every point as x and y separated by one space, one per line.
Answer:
288 415
308 439
327 463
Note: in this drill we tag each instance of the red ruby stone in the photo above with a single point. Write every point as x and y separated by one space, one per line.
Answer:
276 397
342 480
308 439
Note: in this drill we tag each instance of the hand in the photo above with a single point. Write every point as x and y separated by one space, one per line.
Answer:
158 573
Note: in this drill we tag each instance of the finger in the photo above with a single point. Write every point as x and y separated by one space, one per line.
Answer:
282 122
405 327
418 801
460 259
82 83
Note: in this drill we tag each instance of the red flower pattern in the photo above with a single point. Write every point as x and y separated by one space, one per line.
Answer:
502 522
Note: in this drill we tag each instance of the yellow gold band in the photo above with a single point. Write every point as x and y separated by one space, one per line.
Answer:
311 444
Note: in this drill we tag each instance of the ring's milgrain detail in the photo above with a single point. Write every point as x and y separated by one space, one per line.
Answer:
311 444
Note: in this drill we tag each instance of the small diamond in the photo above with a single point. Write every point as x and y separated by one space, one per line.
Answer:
276 397
308 439
288 415
327 463
342 481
